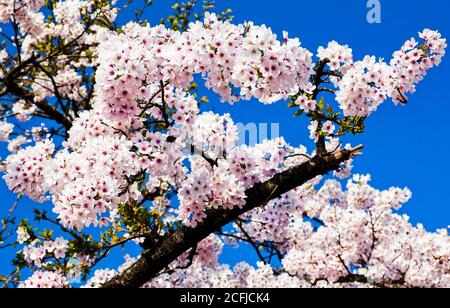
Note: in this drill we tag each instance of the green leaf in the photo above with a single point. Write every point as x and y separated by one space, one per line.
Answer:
321 103
292 104
330 109
298 113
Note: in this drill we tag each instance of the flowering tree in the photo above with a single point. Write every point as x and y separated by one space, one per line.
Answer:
126 157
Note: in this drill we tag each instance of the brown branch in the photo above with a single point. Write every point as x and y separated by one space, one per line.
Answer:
158 256
12 87
252 243
327 90
58 96
333 73
44 106
317 80
164 105
150 101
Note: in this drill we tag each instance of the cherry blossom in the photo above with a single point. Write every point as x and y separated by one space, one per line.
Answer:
338 55
306 104
22 235
247 57
136 156
93 186
25 170
36 251
5 130
45 280
368 83
328 127
353 242
23 111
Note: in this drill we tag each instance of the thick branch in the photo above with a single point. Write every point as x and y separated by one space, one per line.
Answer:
14 89
44 106
156 258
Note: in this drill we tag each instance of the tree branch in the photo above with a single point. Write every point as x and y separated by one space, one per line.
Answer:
317 80
12 87
163 252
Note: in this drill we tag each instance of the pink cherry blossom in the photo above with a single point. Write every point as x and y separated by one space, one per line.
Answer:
45 280
134 157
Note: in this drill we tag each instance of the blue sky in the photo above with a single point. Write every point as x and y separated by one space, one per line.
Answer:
404 146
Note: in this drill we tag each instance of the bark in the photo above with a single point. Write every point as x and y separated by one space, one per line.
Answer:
168 248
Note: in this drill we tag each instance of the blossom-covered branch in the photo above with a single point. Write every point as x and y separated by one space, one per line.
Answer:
167 249
127 156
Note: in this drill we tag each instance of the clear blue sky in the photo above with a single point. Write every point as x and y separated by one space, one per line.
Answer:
404 146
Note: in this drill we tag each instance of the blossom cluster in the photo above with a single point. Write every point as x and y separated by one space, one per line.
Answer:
36 29
206 188
359 236
22 235
368 83
100 277
339 56
25 170
45 280
355 240
245 57
411 63
88 182
67 16
15 144
5 130
223 171
68 82
23 110
327 129
210 184
306 104
26 12
36 251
